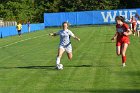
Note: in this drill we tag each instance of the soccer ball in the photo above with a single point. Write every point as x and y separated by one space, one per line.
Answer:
60 66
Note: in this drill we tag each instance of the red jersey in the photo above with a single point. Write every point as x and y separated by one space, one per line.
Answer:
121 38
133 21
121 29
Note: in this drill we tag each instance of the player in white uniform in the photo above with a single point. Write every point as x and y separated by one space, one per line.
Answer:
138 26
65 44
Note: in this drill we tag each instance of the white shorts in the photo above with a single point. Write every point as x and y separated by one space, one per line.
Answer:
68 49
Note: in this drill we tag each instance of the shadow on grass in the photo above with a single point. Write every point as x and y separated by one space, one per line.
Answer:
37 67
79 66
30 67
107 91
53 67
95 66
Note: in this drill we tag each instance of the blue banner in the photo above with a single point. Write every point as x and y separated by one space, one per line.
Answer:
88 17
11 30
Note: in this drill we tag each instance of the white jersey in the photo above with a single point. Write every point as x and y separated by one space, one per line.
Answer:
65 37
138 22
138 25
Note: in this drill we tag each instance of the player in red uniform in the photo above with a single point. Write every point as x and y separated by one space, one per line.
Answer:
134 23
122 38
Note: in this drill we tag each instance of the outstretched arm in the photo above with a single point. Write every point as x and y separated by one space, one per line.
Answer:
53 34
77 38
115 36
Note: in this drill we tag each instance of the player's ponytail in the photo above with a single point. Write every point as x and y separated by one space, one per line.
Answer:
122 19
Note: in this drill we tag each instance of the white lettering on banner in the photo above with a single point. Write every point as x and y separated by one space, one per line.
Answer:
110 16
132 13
124 15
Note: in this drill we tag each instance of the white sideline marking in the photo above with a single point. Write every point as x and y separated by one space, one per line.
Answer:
21 41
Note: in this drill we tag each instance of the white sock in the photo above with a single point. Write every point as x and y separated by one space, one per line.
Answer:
57 60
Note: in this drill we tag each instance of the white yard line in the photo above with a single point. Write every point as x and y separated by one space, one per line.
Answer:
21 41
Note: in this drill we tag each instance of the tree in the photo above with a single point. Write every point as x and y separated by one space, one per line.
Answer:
130 3
34 10
19 10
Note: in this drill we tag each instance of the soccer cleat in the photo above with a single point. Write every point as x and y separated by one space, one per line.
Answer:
123 65
59 67
134 34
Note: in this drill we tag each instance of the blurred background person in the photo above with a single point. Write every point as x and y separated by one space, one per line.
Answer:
19 27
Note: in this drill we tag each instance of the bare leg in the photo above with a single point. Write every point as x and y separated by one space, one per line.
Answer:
124 48
134 30
138 33
69 55
60 53
118 50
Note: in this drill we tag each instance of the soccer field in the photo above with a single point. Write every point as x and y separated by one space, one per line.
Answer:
27 64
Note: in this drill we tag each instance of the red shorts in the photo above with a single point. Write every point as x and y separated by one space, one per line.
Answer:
122 40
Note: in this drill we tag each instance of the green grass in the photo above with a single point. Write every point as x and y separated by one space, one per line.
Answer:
28 66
